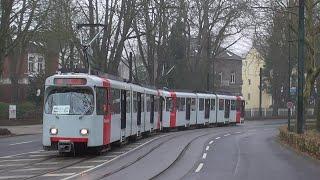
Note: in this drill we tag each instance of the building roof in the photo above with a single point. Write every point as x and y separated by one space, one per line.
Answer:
226 54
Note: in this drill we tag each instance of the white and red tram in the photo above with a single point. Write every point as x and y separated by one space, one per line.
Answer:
89 112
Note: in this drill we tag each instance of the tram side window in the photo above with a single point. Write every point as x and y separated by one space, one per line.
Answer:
201 104
148 103
221 104
238 105
193 104
142 102
156 104
102 98
182 104
177 104
128 102
115 95
213 104
233 105
135 102
169 104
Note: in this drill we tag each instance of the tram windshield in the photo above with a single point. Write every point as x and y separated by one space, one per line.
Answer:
70 101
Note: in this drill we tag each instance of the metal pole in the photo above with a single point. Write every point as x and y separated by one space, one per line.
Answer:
260 94
130 67
208 81
300 113
289 71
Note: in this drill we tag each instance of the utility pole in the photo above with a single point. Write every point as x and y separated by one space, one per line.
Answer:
208 81
130 67
289 70
260 94
300 115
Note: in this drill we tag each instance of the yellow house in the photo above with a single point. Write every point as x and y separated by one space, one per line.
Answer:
251 80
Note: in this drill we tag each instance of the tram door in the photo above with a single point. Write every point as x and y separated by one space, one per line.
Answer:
227 108
139 100
207 109
243 104
152 110
123 109
188 108
161 100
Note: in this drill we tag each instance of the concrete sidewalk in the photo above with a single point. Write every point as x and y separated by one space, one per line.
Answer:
24 130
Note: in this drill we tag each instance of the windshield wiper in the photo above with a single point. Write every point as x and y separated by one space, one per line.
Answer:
86 111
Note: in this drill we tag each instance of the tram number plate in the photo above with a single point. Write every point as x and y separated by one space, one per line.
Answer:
60 109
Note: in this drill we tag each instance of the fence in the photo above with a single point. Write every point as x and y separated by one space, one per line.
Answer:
268 113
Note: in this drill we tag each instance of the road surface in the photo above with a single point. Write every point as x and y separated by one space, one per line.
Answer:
242 152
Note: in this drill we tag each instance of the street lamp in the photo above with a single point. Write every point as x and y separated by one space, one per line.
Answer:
300 113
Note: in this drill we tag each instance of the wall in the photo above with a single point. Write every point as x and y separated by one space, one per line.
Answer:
251 72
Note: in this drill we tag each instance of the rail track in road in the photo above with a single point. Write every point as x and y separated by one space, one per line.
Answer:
49 165
45 164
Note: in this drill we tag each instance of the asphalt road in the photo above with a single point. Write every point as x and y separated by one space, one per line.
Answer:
242 152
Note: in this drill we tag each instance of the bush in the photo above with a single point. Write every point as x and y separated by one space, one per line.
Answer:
4 132
308 142
4 110
24 110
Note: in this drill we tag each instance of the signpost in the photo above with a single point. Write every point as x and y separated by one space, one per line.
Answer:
289 106
12 112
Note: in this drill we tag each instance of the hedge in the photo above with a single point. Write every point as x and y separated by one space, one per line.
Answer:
25 109
308 142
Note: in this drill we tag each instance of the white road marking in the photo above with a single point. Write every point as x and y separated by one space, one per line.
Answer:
10 156
24 142
58 174
16 177
80 167
118 152
38 155
33 169
17 160
204 156
97 161
218 137
7 165
227 135
110 156
210 142
199 167
98 166
207 148
47 163
238 132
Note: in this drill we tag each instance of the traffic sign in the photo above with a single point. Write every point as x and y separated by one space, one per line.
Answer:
290 105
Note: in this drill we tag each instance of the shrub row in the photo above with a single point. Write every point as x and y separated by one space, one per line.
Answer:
308 142
24 110
4 132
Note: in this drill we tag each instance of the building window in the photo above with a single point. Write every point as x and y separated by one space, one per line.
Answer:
31 64
220 77
233 78
249 97
249 81
40 64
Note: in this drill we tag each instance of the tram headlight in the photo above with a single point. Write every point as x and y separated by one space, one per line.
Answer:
53 131
84 132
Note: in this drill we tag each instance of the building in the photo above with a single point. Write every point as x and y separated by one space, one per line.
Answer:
32 63
228 73
251 81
